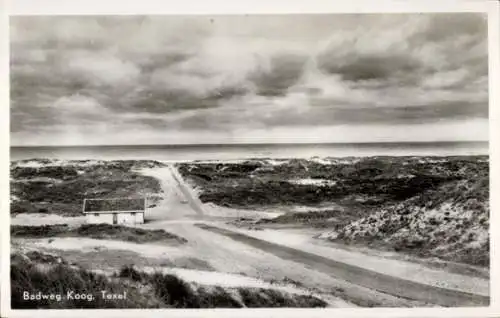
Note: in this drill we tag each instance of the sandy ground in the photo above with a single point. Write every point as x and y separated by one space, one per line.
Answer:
397 268
431 263
37 219
83 244
227 280
232 260
227 255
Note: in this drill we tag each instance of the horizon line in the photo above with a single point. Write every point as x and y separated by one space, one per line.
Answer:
258 144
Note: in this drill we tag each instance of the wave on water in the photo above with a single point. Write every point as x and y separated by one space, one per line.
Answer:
246 151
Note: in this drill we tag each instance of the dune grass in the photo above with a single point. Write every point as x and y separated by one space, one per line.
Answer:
60 189
143 290
96 231
59 279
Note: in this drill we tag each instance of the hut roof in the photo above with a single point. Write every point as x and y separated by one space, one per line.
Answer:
113 205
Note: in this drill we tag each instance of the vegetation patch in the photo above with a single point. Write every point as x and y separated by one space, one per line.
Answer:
272 298
143 290
450 221
95 231
369 181
425 206
313 218
58 188
27 276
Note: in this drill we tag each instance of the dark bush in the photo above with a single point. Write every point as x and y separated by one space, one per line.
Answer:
38 231
131 273
174 291
217 298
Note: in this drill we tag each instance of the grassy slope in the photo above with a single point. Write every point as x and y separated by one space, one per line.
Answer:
450 222
431 206
143 290
60 189
96 231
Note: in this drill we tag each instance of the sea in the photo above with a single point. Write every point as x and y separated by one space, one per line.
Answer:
179 153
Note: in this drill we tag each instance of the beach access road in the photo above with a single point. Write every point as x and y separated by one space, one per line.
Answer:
354 278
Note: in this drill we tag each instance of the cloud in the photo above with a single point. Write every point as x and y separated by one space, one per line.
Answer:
77 104
101 69
229 74
279 73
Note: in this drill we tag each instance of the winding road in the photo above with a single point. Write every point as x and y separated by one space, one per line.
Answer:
389 290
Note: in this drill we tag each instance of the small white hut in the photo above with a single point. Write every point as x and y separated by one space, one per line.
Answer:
115 210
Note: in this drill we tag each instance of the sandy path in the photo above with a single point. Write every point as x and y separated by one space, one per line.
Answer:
359 275
226 255
229 256
452 289
397 268
171 207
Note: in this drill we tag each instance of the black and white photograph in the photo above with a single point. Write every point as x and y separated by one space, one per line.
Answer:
330 160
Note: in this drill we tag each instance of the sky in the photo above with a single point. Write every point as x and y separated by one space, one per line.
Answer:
248 79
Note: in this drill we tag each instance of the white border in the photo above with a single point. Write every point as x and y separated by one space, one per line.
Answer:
4 162
494 145
157 7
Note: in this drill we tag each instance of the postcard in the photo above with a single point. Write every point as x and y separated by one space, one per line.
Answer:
276 159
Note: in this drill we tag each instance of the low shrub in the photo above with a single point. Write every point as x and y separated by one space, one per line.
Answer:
96 231
156 290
